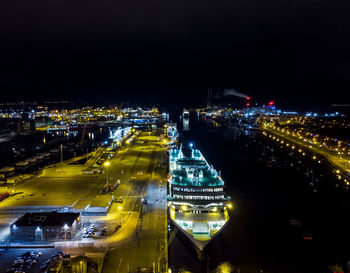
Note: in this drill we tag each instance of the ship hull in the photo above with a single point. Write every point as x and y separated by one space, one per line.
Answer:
198 244
198 204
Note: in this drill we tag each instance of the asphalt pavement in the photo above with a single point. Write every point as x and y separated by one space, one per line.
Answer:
141 241
147 246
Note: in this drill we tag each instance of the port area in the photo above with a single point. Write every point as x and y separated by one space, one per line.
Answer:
144 245
135 224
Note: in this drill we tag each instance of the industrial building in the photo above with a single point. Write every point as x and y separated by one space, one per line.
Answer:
45 225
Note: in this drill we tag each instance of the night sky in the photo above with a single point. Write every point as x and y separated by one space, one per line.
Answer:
295 52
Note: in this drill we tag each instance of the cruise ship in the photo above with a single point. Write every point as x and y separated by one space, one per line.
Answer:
197 202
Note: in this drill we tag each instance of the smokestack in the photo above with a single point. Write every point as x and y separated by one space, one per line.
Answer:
209 98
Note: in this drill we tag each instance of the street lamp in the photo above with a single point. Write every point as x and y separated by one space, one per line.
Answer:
106 164
65 228
81 266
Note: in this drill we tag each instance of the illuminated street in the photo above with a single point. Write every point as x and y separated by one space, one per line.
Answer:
140 168
338 162
146 247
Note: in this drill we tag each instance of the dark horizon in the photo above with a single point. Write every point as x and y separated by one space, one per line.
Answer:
293 52
167 97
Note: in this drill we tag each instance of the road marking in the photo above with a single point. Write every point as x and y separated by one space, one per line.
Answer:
120 263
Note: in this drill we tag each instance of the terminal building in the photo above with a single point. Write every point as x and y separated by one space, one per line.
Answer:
45 225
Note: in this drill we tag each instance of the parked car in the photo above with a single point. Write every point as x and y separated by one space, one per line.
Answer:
104 231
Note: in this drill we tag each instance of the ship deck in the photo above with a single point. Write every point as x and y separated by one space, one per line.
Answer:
200 217
180 176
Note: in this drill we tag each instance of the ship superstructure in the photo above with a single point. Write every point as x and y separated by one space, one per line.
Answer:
185 120
186 114
172 132
197 201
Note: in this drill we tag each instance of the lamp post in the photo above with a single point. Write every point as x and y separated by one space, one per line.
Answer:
65 228
106 164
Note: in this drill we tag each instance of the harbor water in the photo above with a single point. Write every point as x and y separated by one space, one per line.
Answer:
288 216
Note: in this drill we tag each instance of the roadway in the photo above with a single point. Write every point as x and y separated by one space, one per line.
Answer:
142 239
335 160
146 244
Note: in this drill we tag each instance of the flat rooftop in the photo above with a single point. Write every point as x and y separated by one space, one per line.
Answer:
101 201
47 219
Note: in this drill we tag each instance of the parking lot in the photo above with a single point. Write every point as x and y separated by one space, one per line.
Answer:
9 256
54 189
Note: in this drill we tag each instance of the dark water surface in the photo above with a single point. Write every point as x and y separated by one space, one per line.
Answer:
259 236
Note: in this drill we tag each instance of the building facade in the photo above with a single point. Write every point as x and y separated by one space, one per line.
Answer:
45 225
